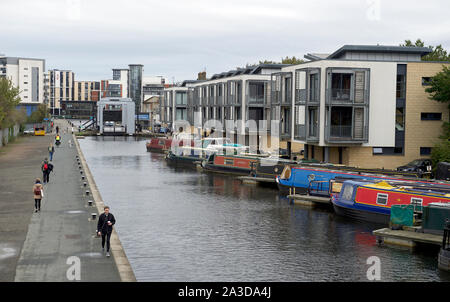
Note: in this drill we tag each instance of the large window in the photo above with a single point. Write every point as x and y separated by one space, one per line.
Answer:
180 114
341 86
341 122
401 86
314 87
181 98
256 92
400 119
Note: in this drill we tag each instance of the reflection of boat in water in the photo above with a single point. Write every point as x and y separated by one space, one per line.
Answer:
299 178
372 201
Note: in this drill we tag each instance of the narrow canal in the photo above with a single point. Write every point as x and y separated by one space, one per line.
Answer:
184 225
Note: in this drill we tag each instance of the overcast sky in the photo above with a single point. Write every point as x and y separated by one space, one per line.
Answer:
179 38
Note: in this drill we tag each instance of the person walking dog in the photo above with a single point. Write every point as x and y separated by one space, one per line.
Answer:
38 194
105 227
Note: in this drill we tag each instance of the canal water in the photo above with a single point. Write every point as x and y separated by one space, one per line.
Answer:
184 225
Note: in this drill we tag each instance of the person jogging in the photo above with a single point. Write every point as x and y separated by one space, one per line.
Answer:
51 150
38 194
105 227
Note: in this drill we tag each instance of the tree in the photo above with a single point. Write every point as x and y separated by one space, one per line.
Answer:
39 114
439 91
9 99
439 88
287 60
438 53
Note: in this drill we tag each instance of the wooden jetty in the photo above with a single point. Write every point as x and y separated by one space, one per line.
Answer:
309 200
406 238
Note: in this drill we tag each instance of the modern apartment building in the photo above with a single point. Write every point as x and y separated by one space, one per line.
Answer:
359 106
111 88
61 88
28 75
87 91
238 95
121 75
135 84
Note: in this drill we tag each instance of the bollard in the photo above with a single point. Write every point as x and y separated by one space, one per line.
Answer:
90 203
81 171
84 184
82 177
87 193
93 215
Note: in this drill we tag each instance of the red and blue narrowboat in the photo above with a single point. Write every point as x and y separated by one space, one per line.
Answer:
372 201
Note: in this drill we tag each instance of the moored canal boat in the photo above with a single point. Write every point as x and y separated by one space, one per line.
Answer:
372 201
187 156
230 164
298 178
159 144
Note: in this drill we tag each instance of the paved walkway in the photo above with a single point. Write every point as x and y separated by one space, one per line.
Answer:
20 164
63 228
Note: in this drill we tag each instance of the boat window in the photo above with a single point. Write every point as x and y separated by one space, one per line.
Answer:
228 161
382 199
417 203
347 194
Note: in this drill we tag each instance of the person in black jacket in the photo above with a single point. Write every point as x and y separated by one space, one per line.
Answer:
105 227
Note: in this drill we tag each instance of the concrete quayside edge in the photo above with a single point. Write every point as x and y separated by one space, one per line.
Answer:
123 265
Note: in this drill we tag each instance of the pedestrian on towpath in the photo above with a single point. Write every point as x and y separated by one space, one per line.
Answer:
46 169
38 194
51 150
105 227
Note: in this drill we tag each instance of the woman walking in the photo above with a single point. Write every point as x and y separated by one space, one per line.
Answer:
38 194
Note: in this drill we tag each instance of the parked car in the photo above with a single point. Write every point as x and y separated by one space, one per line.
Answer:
418 165
443 171
29 131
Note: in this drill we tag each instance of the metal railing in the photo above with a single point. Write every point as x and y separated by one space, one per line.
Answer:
339 133
347 96
256 99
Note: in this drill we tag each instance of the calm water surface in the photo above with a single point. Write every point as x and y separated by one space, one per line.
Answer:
184 225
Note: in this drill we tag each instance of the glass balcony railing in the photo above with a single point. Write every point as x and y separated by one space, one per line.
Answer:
347 96
341 131
256 99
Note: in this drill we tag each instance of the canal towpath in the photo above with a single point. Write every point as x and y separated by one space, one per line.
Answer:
60 242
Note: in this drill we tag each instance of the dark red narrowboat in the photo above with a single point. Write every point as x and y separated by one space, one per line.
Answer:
230 164
159 144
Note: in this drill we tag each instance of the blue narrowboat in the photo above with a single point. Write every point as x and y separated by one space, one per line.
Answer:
301 178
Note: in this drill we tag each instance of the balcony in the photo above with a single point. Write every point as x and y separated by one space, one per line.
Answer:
256 99
346 133
346 96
